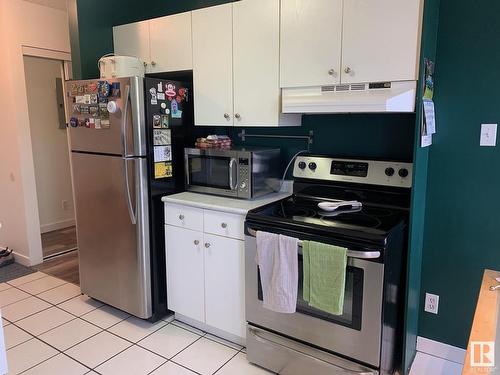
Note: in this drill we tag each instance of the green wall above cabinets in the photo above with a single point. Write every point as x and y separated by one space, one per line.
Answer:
462 226
97 18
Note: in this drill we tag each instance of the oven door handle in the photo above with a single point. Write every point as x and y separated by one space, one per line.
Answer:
255 333
350 253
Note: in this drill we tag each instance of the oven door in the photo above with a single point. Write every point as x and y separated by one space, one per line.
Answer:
355 334
212 171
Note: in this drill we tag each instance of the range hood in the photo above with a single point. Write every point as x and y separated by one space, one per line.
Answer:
349 98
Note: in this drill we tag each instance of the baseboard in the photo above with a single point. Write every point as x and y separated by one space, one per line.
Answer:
57 225
214 331
22 259
441 350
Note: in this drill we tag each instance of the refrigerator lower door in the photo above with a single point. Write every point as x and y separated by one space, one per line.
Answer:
114 252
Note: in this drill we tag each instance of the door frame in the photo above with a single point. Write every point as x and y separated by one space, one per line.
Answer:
33 231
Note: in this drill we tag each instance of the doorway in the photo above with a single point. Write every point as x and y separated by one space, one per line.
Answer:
49 139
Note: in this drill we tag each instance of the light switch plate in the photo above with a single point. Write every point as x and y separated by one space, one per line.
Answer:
488 135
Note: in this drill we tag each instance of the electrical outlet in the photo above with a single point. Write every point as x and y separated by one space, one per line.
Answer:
65 205
431 303
488 135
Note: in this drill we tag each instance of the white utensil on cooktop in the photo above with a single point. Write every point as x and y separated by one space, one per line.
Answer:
332 206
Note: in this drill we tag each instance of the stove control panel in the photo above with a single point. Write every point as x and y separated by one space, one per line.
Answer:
372 172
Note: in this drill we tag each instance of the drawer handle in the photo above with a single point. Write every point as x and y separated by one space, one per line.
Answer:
207 245
224 225
181 217
196 242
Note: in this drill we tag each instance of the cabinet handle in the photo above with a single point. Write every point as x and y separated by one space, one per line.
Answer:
347 70
224 225
181 217
237 116
207 245
145 64
227 117
153 63
196 242
331 72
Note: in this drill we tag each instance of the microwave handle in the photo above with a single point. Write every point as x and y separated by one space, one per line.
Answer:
233 182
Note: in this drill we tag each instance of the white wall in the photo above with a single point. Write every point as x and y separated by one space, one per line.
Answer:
49 144
22 24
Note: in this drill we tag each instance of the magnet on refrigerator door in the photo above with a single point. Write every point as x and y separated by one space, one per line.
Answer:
80 99
163 170
154 97
156 121
81 122
161 96
92 88
170 90
97 123
164 121
162 153
93 98
115 89
105 124
104 89
73 121
162 137
160 87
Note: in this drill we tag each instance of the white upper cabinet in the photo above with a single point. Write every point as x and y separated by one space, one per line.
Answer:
132 40
236 52
311 42
257 100
380 40
213 65
326 42
163 44
170 39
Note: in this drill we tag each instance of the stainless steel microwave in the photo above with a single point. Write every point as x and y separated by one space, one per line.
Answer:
244 172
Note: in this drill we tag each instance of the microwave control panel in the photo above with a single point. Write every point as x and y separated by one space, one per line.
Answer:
243 175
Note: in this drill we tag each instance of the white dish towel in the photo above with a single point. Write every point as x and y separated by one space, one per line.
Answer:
277 257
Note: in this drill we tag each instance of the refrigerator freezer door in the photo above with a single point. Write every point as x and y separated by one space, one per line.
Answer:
125 135
114 253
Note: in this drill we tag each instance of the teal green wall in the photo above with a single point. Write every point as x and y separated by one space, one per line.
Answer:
462 226
418 210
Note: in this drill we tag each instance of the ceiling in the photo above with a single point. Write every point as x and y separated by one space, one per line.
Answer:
57 4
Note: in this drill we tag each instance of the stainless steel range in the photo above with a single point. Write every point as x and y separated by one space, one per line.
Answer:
367 337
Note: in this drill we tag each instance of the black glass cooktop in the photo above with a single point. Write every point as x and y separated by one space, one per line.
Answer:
305 213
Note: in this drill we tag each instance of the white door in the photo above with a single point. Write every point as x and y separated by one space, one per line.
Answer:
256 62
213 65
171 44
133 40
225 284
185 281
311 42
380 40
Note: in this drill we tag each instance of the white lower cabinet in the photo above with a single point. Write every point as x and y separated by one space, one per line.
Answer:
185 277
206 273
225 284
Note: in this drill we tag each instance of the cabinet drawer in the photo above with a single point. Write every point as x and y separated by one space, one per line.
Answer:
224 224
184 216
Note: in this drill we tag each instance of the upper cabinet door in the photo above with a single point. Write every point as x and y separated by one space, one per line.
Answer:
171 43
133 40
213 65
311 42
256 62
380 40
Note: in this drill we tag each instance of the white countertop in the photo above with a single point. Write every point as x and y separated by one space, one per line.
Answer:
231 205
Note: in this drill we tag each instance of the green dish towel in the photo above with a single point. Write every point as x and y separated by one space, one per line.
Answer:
324 269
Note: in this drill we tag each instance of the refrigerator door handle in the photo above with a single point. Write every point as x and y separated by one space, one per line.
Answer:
124 121
132 213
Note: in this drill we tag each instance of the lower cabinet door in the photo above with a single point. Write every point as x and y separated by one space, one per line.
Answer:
185 282
225 284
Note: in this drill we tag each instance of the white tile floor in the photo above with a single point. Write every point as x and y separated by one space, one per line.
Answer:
51 329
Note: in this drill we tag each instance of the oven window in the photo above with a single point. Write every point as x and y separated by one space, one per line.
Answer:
353 299
209 171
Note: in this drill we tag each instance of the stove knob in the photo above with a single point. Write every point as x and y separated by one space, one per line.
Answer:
403 172
302 165
389 172
312 166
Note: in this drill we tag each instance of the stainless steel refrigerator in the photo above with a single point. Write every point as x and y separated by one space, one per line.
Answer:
123 162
